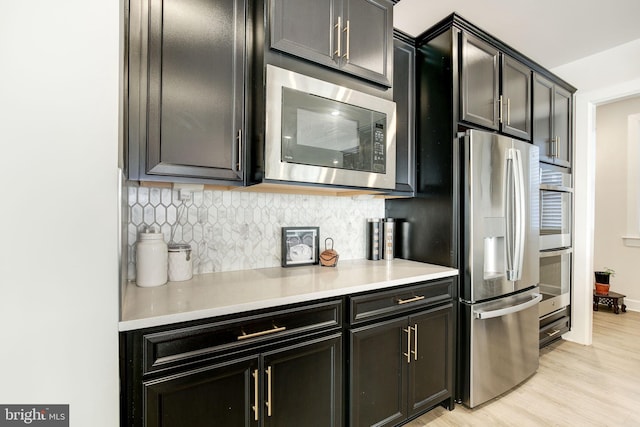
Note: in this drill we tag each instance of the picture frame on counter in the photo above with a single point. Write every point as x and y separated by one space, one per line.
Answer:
300 246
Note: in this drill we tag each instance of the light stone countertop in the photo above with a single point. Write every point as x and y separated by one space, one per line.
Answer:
216 294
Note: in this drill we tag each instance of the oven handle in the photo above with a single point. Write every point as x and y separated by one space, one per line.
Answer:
547 254
536 298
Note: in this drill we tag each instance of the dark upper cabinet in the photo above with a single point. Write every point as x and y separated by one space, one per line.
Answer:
355 36
479 82
404 88
186 92
495 89
552 106
516 98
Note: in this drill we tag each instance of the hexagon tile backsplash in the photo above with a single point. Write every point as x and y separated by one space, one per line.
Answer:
239 230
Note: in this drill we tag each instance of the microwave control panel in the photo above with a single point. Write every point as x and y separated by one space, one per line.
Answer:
379 152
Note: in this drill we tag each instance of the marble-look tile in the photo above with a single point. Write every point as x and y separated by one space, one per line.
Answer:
238 230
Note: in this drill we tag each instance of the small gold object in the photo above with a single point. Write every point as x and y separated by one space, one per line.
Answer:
329 257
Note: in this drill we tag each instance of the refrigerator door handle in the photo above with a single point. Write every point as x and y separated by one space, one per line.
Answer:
516 221
536 298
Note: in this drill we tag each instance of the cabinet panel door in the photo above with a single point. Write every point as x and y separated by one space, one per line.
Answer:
221 395
303 384
305 28
479 85
543 117
195 83
404 97
516 98
562 125
430 370
368 45
378 391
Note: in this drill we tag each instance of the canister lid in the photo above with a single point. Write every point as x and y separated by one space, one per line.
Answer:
151 236
179 247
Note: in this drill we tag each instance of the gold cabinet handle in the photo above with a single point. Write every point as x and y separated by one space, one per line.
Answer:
508 111
415 341
338 26
255 394
557 331
500 109
408 353
346 29
407 301
275 329
269 402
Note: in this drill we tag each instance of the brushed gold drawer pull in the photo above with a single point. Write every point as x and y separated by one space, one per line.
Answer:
275 329
553 333
414 299
255 394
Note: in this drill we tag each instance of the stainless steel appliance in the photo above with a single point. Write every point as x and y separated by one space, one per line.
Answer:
555 208
500 295
555 280
319 132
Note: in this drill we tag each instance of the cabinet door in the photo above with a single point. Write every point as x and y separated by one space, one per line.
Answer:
368 45
195 84
479 85
404 97
305 28
378 390
543 117
516 98
562 126
430 371
303 384
221 395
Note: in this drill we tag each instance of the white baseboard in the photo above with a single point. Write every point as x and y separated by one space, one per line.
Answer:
632 304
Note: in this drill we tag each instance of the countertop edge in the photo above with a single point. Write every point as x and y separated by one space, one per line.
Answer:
162 320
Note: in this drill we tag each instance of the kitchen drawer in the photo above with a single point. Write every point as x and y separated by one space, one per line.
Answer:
399 300
162 350
554 325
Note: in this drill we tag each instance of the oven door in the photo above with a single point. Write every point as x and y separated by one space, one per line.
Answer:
555 219
555 280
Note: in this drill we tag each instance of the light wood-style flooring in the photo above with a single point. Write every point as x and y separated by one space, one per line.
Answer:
576 385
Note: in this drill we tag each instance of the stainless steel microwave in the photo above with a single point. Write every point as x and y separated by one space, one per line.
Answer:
318 132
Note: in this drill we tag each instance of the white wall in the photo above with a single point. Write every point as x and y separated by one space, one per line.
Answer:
611 198
599 78
58 215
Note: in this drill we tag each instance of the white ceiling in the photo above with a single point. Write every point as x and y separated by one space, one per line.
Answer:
551 32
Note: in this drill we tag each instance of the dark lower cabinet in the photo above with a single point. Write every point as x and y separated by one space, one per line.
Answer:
378 374
304 385
220 395
275 368
401 367
293 386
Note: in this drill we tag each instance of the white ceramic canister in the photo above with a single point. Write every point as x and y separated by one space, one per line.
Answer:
151 259
180 262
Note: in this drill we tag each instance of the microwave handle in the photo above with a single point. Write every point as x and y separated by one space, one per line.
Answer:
239 152
547 254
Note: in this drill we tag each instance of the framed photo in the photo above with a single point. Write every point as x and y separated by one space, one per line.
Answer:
300 246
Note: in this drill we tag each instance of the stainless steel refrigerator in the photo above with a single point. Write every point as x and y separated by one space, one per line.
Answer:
498 324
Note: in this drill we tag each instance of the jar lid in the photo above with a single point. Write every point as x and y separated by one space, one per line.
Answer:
151 236
179 247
